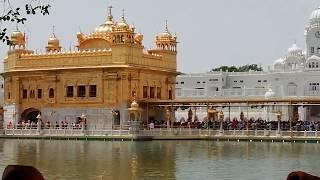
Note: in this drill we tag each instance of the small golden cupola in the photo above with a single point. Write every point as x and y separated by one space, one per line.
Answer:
166 41
138 38
123 33
122 25
17 40
53 44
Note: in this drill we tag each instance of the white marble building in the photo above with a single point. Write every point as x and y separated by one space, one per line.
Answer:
297 73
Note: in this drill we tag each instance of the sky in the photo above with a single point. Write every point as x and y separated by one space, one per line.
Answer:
211 33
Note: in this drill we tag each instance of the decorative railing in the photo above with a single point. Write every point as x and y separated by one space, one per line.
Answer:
160 132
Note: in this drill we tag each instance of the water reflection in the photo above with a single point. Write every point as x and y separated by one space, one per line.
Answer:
160 159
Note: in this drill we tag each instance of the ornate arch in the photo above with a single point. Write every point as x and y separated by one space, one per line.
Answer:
30 114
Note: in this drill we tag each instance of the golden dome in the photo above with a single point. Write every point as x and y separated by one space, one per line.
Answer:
134 104
166 34
108 25
53 44
17 34
54 41
123 25
104 28
17 37
138 38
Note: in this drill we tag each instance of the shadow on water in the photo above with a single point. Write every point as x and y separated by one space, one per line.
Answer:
160 159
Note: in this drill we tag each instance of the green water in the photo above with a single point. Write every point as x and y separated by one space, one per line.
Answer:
161 159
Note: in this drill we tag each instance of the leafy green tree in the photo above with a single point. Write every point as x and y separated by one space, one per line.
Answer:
19 15
244 68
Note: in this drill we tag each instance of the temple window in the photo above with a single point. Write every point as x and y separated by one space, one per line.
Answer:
312 64
159 92
113 39
312 50
92 91
152 92
69 91
122 39
309 65
81 91
24 94
170 94
32 95
9 95
51 93
317 65
39 93
145 91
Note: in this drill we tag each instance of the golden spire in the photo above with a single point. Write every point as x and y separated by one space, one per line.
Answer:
53 33
166 26
110 17
123 19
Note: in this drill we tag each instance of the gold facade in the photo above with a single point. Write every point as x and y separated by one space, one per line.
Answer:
109 66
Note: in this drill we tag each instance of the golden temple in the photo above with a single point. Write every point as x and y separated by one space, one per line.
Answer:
98 79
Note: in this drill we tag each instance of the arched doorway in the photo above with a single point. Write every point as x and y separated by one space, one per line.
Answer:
30 114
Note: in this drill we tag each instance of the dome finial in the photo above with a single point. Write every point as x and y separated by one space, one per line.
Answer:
17 29
53 32
166 26
123 19
110 17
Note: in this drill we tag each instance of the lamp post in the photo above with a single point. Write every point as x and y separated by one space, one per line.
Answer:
168 115
221 116
279 114
14 119
39 122
83 117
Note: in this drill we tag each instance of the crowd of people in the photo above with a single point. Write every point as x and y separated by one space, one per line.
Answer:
227 124
28 124
236 124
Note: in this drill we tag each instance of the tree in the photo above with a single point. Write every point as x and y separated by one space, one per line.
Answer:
20 15
244 68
